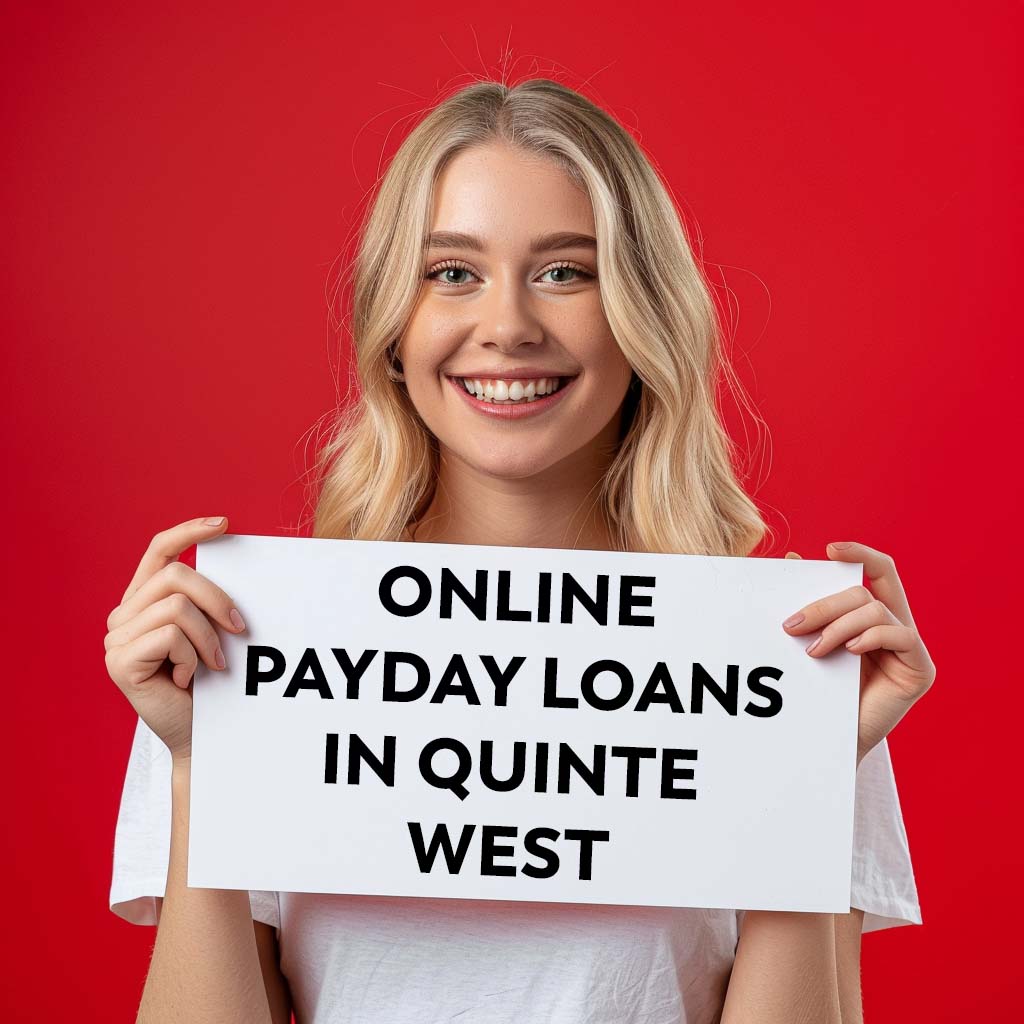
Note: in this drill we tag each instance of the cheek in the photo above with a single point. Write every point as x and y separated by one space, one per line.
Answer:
607 364
602 350
435 326
588 335
423 352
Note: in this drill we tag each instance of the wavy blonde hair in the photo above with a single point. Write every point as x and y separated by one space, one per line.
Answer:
671 486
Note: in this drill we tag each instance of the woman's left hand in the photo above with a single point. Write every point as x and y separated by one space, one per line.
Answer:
895 667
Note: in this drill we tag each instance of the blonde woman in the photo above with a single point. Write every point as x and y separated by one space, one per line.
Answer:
537 355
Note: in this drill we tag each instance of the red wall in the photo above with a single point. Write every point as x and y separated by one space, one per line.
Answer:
175 185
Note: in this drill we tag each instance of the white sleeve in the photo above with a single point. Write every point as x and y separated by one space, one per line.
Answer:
142 838
882 883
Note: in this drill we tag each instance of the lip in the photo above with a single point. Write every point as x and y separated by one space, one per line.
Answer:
504 411
519 373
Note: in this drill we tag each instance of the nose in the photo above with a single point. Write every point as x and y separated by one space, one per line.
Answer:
506 317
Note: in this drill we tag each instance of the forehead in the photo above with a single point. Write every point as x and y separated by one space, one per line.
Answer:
503 194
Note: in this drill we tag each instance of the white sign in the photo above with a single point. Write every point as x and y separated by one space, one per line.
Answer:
523 724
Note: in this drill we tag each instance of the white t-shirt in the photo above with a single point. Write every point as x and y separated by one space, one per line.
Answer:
397 960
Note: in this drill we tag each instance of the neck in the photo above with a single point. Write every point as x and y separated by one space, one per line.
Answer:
558 508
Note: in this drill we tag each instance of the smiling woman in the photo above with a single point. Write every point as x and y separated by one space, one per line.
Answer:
525 312
538 357
520 235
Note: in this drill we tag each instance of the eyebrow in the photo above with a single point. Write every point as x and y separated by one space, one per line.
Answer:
554 240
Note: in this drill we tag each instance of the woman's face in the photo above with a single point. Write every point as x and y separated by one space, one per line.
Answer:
517 309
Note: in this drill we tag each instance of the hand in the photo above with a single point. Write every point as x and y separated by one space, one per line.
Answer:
158 631
895 667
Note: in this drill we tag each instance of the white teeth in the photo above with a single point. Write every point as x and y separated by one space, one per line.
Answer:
504 392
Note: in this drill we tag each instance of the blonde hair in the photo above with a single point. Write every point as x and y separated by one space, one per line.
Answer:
671 486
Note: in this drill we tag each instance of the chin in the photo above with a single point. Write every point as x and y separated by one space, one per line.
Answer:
510 465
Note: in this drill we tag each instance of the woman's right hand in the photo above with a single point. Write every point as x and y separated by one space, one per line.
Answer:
162 627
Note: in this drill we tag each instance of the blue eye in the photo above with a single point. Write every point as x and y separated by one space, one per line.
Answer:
580 273
449 267
458 267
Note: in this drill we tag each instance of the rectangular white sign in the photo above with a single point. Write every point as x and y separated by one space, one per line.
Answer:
523 724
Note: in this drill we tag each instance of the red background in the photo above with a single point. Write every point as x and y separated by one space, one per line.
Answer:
176 184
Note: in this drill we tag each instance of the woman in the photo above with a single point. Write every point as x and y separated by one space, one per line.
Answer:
510 395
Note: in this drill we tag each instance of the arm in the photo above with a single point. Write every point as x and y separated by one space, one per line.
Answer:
278 992
206 964
848 932
795 967
785 970
806 967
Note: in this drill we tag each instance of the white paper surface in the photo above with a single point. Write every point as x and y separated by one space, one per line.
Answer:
771 823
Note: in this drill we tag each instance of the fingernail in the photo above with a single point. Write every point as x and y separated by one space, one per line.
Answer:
794 620
811 647
218 657
213 521
236 620
840 544
853 641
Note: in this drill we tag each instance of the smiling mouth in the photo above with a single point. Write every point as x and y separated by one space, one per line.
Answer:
516 391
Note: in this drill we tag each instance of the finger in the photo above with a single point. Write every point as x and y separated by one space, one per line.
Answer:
906 643
178 609
139 659
176 577
880 571
820 613
167 545
792 554
849 625
903 640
